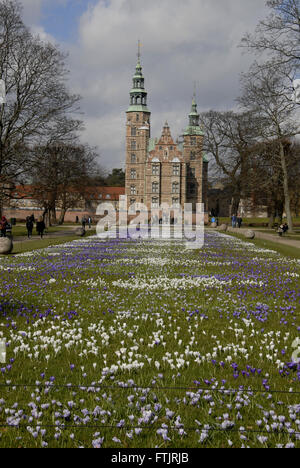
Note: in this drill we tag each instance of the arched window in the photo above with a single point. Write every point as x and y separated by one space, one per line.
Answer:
175 187
155 187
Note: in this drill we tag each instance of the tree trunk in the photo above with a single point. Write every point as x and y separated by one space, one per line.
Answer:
62 216
287 201
271 220
46 217
53 219
235 204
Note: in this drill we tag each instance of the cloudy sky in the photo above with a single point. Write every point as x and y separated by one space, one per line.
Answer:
183 42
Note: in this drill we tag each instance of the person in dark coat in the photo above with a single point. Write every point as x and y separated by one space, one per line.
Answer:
285 228
3 226
29 226
40 227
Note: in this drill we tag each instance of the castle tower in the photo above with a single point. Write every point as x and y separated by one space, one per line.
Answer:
137 139
193 156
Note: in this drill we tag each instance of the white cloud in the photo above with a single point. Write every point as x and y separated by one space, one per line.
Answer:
182 42
32 10
32 16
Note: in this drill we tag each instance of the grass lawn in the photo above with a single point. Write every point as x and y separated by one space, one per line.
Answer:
21 231
256 221
284 250
128 344
31 245
294 236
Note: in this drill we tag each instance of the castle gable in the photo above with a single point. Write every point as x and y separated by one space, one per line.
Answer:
165 149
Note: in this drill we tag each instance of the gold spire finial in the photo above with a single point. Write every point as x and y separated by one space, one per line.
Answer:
195 86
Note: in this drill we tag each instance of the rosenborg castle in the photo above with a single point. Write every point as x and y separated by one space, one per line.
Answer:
158 170
161 170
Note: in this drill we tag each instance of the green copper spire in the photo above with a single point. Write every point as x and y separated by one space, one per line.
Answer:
194 117
138 94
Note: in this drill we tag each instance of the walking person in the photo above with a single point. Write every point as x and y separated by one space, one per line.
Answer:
3 226
285 228
239 221
280 230
29 226
233 220
90 222
40 227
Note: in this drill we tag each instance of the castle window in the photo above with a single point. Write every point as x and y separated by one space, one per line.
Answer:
133 144
133 131
155 169
193 141
133 190
133 174
132 201
175 201
176 169
175 187
193 156
192 189
137 117
155 187
192 171
133 158
155 202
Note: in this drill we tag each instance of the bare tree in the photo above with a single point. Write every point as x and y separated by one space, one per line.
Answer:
294 176
264 94
61 174
38 105
229 137
279 34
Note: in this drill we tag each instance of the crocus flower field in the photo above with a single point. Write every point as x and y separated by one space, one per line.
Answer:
131 343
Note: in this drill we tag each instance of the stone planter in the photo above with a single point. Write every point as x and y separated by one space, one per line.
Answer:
249 234
6 245
80 232
223 227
